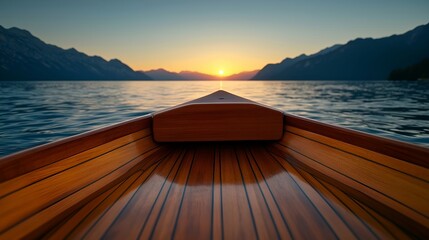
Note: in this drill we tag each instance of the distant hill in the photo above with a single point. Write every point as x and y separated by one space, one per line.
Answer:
188 75
359 59
242 76
416 71
162 74
25 57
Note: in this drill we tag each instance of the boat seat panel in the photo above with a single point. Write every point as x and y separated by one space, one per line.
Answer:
221 116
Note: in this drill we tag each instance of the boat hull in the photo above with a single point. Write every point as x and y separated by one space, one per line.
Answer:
318 181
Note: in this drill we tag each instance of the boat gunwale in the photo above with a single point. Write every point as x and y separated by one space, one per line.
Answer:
15 164
22 162
409 152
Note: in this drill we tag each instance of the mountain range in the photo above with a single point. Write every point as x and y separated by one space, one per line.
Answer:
25 57
162 74
359 59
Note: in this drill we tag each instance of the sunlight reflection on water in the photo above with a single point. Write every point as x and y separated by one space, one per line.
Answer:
34 113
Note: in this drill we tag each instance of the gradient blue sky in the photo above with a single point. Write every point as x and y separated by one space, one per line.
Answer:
206 35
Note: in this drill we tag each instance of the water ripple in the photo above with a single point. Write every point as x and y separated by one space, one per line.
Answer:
33 113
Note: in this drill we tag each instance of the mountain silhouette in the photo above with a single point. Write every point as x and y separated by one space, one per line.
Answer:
246 75
359 59
192 75
271 70
26 57
162 74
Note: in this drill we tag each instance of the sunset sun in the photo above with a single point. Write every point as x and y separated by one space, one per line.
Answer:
221 72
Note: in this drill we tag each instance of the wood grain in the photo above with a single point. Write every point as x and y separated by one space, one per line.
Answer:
317 182
391 186
262 214
224 191
401 150
194 219
293 204
379 158
211 120
20 211
130 208
65 164
236 209
25 161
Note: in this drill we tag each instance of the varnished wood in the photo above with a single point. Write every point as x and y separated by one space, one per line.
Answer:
317 182
401 150
43 199
262 215
193 220
235 200
25 161
225 191
104 216
379 158
220 116
298 208
60 166
397 189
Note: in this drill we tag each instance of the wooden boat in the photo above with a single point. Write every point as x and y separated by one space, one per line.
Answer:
219 167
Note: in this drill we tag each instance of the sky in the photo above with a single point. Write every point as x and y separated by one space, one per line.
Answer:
208 36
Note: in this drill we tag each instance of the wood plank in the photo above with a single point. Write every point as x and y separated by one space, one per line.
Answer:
217 226
166 219
397 149
62 230
264 222
222 120
320 202
237 218
234 191
194 220
353 221
84 219
54 168
293 204
394 229
20 205
399 165
78 225
28 160
104 214
145 212
375 179
281 224
378 229
398 212
136 205
43 220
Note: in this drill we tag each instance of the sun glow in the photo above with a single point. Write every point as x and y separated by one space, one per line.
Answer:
221 72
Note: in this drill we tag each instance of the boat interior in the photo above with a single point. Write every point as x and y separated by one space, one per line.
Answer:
219 167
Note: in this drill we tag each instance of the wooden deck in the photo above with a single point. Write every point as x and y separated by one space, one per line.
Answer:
224 191
317 182
305 186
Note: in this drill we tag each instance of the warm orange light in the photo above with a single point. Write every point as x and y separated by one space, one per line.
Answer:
221 72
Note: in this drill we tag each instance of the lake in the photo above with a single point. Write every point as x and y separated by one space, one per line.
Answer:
37 112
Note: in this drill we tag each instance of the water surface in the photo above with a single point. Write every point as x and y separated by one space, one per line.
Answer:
33 113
